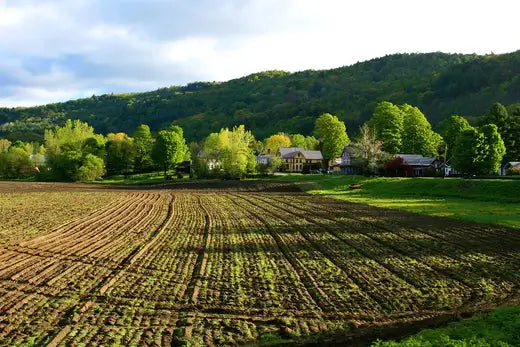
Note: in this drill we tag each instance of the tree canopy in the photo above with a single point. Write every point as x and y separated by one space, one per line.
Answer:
333 135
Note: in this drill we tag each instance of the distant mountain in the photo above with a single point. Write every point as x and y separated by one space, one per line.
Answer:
439 84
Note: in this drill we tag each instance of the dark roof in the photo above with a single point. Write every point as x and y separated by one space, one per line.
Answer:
417 159
290 152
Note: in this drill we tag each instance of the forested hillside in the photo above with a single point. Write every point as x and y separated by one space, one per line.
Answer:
439 84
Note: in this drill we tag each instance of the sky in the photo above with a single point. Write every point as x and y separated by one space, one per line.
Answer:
57 50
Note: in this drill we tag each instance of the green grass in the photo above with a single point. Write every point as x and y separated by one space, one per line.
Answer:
500 327
486 201
146 178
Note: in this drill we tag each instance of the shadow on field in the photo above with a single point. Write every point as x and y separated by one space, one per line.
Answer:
200 185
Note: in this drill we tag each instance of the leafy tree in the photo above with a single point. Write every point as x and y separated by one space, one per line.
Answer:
499 116
387 123
15 163
120 153
275 164
479 151
466 153
333 135
274 142
92 168
492 149
67 147
236 154
509 129
418 136
453 127
4 145
170 148
231 149
143 143
306 142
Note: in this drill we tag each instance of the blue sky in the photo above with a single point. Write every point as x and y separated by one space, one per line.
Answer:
59 50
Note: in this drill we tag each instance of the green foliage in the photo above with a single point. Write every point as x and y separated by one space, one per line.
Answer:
274 142
15 163
230 151
4 145
387 123
333 135
67 148
270 102
306 142
170 148
501 327
509 128
119 154
92 168
452 128
478 151
418 136
143 143
484 201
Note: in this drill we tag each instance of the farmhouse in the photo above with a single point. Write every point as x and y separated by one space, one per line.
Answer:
295 159
346 164
507 167
417 165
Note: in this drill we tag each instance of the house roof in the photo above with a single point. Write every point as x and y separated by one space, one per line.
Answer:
417 159
513 164
289 152
260 156
286 150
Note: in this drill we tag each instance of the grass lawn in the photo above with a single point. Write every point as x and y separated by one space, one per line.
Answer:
500 327
146 178
486 201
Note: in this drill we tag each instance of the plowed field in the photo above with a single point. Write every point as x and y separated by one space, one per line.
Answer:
235 263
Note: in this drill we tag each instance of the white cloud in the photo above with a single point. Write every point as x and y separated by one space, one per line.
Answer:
53 50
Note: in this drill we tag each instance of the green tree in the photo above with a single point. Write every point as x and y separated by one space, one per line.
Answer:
499 116
236 152
274 142
452 128
306 142
478 151
119 154
387 123
492 150
333 135
509 128
4 145
15 163
92 168
143 143
67 147
418 136
170 148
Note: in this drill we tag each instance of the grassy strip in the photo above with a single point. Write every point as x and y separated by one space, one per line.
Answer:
485 201
500 327
146 178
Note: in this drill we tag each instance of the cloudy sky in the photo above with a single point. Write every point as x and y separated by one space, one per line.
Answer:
55 50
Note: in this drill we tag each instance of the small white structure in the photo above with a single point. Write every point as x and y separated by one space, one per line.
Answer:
264 159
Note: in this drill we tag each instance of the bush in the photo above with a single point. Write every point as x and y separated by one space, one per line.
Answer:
93 168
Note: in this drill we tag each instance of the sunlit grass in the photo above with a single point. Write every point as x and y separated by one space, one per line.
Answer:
485 201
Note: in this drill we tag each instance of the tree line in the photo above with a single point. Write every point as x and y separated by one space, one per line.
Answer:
276 101
75 152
